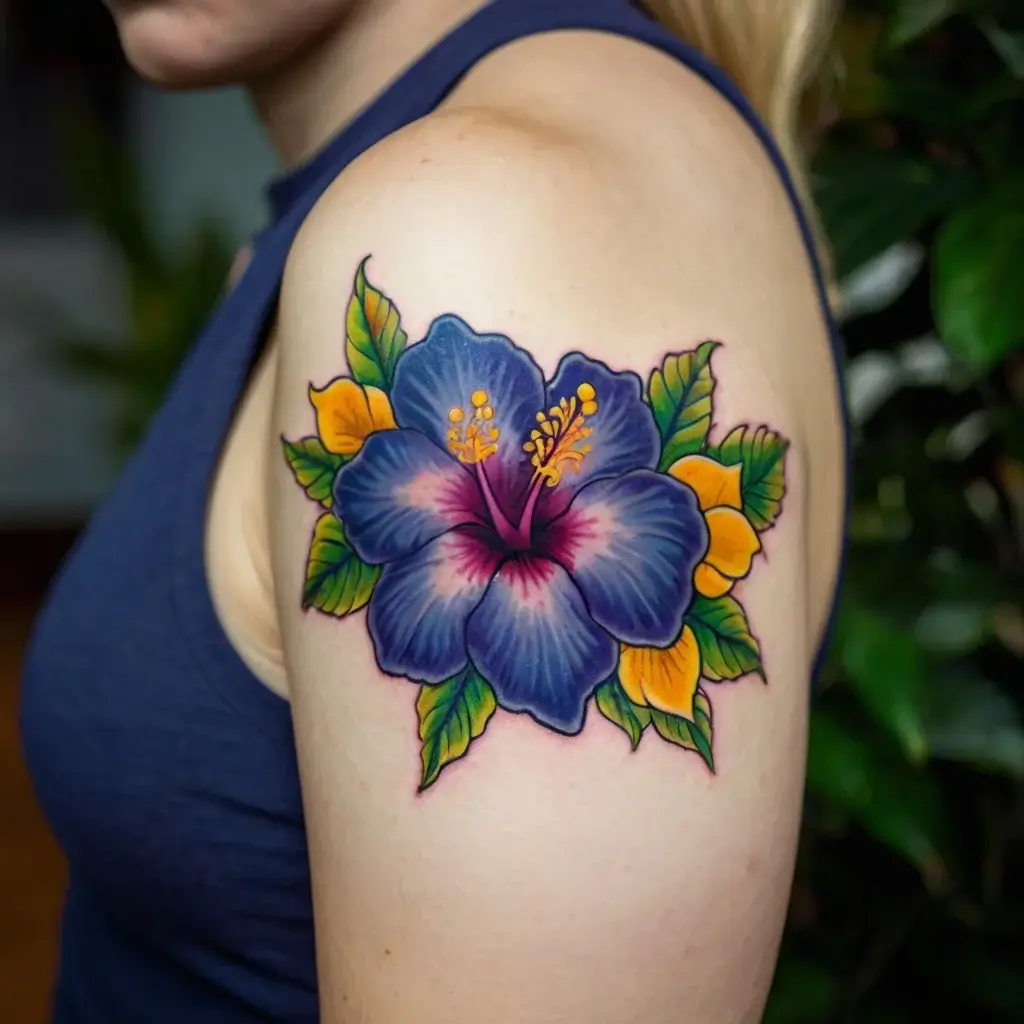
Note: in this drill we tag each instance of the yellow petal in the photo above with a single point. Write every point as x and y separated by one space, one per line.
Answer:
710 582
347 413
629 676
665 678
380 409
714 483
732 542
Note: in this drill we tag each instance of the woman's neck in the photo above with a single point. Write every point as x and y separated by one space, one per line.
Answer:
309 98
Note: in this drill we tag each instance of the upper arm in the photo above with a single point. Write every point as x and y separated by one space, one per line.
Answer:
485 630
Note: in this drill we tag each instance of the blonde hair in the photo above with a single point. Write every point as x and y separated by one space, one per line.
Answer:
773 50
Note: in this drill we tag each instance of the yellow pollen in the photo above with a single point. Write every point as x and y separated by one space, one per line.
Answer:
560 441
476 440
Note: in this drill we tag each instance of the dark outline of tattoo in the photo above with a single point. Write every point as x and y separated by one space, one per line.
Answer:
531 544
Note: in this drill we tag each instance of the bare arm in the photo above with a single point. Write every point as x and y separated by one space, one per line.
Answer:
561 515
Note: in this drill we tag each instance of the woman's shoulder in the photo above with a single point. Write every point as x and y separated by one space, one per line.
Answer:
546 170
566 107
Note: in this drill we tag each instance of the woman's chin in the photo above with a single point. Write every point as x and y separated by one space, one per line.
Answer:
173 50
166 53
166 72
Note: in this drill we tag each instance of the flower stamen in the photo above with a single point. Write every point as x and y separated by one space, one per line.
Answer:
558 442
474 441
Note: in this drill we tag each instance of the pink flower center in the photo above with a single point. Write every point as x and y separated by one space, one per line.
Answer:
557 444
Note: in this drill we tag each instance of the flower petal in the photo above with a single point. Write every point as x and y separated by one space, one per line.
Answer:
534 642
665 678
381 414
710 582
629 677
713 483
347 413
631 545
417 615
443 371
733 542
623 432
401 491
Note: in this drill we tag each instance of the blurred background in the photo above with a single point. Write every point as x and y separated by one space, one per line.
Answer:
120 209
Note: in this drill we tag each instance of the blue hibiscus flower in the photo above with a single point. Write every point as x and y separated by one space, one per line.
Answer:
520 524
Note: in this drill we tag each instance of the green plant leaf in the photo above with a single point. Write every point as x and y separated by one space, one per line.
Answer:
338 582
870 199
1009 46
452 714
970 719
314 467
169 288
886 670
953 627
680 395
613 703
98 359
108 185
990 976
979 252
697 735
856 772
374 333
855 43
762 453
912 19
728 649
803 992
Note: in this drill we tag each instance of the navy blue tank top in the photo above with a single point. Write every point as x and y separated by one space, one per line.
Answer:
167 770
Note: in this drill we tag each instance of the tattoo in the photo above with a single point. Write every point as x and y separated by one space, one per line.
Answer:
531 544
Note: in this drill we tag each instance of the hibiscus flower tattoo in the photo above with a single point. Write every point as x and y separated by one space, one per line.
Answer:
533 545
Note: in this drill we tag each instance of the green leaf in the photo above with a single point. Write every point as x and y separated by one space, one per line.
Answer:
871 199
696 735
728 649
762 453
849 770
913 18
989 975
680 396
803 992
452 714
314 467
108 185
970 719
375 335
886 670
1009 46
855 42
337 581
613 703
979 252
953 627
